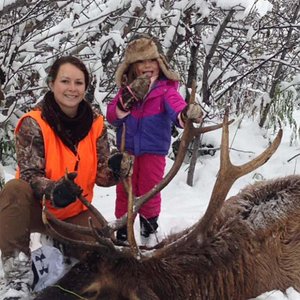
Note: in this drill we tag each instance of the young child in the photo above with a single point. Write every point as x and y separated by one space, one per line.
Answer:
148 103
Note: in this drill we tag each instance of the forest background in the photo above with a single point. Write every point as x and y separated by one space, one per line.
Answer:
243 54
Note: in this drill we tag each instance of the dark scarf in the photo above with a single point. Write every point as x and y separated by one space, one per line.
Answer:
70 130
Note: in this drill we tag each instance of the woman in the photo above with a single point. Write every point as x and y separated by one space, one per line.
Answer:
62 134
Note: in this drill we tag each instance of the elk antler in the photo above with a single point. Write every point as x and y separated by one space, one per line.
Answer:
100 241
103 236
127 182
227 175
189 133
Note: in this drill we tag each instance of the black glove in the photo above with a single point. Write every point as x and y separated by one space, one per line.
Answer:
121 165
65 191
134 93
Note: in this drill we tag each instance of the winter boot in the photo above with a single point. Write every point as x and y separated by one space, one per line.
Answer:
122 234
18 276
148 230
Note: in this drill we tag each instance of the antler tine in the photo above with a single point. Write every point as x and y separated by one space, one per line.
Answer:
192 98
104 241
106 230
82 229
89 205
201 130
64 239
130 220
127 182
94 211
65 225
101 242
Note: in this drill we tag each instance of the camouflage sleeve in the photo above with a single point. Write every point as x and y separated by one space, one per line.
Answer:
104 175
31 157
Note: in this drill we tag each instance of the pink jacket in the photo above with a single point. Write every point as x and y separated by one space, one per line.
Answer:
148 126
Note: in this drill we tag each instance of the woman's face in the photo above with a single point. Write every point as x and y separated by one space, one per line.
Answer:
68 88
147 66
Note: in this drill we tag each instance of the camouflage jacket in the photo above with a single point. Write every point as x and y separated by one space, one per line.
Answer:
31 158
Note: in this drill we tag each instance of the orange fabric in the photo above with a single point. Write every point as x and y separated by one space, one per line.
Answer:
59 159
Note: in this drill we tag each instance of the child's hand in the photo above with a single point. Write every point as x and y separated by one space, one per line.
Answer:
134 93
140 86
192 112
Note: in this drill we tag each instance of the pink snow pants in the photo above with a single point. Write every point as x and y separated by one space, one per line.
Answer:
148 171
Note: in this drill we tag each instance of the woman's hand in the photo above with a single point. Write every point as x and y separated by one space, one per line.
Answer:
121 164
65 191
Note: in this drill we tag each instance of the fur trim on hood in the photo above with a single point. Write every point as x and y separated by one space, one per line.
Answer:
142 49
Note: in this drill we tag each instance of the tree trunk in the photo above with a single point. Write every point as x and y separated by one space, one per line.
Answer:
192 76
278 76
191 171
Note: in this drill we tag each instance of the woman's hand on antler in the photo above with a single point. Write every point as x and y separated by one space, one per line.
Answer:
65 191
121 165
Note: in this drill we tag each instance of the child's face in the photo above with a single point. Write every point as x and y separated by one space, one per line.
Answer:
148 66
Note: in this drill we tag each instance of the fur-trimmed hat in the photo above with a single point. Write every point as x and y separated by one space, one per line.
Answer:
143 48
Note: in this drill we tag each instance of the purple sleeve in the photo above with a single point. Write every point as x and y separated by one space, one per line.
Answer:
174 104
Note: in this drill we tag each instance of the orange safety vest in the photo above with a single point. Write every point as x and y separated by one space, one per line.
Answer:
59 159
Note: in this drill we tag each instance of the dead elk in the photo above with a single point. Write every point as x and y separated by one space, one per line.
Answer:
238 250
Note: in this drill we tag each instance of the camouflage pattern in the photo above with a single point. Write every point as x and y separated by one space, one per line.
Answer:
2 177
140 86
134 93
31 158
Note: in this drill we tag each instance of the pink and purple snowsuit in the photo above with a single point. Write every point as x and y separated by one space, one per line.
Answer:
148 138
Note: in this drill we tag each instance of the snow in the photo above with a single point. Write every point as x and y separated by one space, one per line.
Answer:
183 205
261 6
156 11
5 3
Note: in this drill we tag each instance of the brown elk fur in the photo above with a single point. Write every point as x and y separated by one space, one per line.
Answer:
253 246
